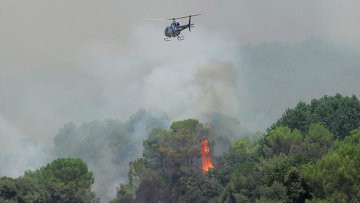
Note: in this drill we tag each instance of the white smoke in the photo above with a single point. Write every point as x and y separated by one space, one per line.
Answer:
173 77
18 152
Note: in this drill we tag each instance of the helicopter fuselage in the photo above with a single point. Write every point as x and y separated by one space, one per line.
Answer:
174 30
171 32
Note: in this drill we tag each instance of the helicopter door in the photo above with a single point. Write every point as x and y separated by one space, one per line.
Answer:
168 31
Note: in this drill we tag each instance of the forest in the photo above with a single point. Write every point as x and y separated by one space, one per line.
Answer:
310 154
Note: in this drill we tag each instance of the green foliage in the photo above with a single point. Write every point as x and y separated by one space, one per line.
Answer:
63 180
22 189
124 194
242 151
150 187
297 160
275 168
245 145
68 171
245 181
170 170
196 189
317 142
276 192
186 127
303 147
137 168
297 189
7 189
284 152
337 113
281 140
28 190
170 167
66 180
154 147
182 149
336 176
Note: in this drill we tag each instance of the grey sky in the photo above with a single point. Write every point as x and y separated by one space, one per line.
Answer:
40 33
55 41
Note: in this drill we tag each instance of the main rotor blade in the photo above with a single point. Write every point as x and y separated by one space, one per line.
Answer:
155 19
196 15
172 18
183 17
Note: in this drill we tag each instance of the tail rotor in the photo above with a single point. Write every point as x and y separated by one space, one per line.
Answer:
189 23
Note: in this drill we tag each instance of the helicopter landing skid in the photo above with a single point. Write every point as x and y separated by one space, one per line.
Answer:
180 37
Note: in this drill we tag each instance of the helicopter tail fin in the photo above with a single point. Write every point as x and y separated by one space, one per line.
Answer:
190 23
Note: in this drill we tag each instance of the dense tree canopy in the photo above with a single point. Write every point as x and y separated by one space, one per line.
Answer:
302 157
337 113
311 154
63 180
171 168
335 177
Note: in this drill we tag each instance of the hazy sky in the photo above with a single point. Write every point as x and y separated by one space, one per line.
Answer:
52 34
81 60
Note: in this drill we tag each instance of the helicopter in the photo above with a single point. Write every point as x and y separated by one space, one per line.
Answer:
174 29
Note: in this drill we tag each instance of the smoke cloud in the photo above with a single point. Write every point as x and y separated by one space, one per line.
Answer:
18 151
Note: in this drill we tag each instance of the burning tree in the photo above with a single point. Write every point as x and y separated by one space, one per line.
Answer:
205 155
205 150
171 168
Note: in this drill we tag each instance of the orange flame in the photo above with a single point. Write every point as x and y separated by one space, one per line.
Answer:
205 155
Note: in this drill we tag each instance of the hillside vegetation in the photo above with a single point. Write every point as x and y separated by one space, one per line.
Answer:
310 154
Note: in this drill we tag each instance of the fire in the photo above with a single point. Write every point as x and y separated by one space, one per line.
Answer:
205 155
